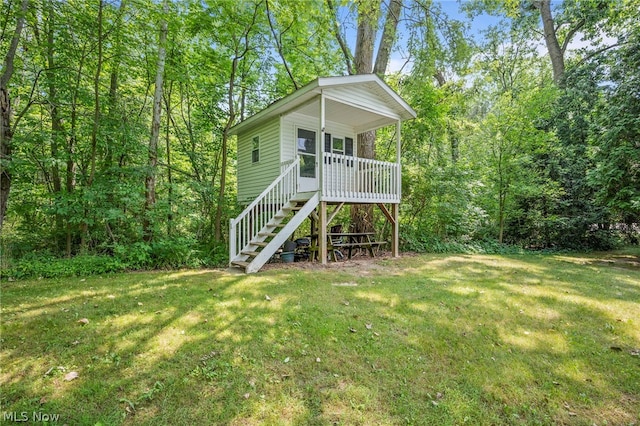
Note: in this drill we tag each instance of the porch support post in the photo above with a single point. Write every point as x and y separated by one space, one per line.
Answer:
393 218
395 207
322 233
320 146
395 230
399 170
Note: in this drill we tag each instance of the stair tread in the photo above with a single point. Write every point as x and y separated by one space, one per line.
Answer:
266 234
261 243
240 263
251 253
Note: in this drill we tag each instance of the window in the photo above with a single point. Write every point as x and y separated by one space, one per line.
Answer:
338 146
348 146
255 150
307 152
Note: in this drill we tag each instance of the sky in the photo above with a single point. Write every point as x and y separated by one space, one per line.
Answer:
451 8
477 26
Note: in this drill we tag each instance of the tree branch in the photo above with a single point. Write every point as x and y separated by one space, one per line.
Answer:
570 34
278 40
348 56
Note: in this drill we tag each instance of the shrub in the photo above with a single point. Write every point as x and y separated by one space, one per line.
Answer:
45 266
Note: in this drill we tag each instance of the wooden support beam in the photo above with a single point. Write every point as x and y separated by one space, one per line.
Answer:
335 212
322 233
393 218
388 214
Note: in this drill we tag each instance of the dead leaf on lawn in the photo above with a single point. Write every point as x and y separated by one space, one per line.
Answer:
83 321
635 352
72 375
345 302
286 360
246 395
318 360
369 326
353 330
267 298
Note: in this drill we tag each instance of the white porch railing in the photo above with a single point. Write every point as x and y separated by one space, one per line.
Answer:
347 178
245 228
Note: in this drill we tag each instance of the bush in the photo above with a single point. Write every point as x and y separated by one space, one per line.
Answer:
44 266
176 253
135 256
165 254
413 240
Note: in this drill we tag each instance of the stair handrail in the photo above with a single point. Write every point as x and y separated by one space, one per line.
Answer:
287 193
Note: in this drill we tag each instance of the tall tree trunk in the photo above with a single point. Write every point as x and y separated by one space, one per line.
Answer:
94 130
368 13
388 37
242 47
57 130
6 132
70 181
225 142
556 53
169 172
113 111
150 181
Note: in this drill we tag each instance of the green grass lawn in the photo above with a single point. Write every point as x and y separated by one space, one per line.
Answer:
433 339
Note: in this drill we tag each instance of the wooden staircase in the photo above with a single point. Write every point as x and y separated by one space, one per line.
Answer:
273 234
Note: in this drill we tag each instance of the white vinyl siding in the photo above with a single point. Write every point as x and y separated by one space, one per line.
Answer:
363 97
254 177
294 121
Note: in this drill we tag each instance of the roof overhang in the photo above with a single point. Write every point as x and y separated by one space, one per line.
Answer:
359 115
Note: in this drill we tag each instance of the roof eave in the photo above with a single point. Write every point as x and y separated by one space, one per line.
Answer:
288 102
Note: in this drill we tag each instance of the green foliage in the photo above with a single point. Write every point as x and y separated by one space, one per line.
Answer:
46 266
497 152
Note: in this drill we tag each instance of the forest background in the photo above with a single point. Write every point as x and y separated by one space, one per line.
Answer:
115 151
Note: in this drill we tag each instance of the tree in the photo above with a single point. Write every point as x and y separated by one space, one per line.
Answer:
150 179
363 62
6 131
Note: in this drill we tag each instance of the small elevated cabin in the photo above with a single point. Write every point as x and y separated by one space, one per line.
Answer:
299 156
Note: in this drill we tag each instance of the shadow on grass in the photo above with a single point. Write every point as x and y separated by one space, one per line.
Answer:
426 340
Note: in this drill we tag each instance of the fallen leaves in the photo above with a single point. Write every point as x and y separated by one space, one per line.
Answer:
72 375
345 284
83 321
569 412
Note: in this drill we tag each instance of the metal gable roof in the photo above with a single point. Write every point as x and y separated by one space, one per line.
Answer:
371 82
